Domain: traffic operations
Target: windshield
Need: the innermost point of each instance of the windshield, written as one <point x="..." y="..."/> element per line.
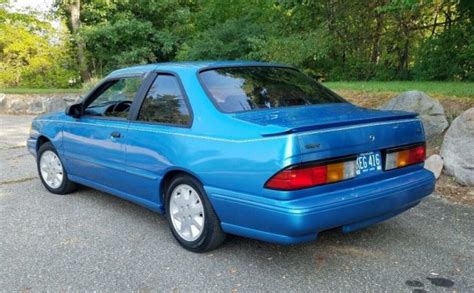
<point x="238" y="89"/>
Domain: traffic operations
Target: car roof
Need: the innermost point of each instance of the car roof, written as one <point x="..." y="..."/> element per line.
<point x="185" y="66"/>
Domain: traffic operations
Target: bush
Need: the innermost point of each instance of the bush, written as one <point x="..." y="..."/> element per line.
<point x="448" y="56"/>
<point x="232" y="40"/>
<point x="31" y="56"/>
<point x="122" y="43"/>
<point x="359" y="70"/>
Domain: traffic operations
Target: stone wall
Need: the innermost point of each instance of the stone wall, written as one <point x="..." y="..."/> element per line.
<point x="34" y="104"/>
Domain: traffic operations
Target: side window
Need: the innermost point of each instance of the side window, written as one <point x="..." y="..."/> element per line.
<point x="164" y="102"/>
<point x="116" y="99"/>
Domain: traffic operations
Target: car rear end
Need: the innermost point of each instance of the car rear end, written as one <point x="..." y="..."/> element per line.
<point x="352" y="167"/>
<point x="348" y="176"/>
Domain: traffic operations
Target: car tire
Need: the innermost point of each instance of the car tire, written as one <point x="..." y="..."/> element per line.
<point x="179" y="208"/>
<point x="49" y="163"/>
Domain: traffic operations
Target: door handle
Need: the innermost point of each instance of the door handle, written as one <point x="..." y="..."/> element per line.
<point x="115" y="134"/>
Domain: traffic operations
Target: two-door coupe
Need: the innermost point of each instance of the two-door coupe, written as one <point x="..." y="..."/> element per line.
<point x="253" y="149"/>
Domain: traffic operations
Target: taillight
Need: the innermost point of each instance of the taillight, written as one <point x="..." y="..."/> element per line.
<point x="401" y="157"/>
<point x="304" y="176"/>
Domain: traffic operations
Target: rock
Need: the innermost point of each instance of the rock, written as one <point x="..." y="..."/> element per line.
<point x="35" y="104"/>
<point x="54" y="105"/>
<point x="3" y="103"/>
<point x="36" y="107"/>
<point x="16" y="106"/>
<point x="430" y="110"/>
<point x="458" y="148"/>
<point x="72" y="99"/>
<point x="435" y="164"/>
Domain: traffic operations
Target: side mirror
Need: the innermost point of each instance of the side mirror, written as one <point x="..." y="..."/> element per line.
<point x="75" y="110"/>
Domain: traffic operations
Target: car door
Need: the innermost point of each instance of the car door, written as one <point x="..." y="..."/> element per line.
<point x="153" y="145"/>
<point x="94" y="144"/>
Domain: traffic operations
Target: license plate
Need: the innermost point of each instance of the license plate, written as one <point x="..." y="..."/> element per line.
<point x="370" y="162"/>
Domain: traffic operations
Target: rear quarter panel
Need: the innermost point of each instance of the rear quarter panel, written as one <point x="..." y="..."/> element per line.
<point x="239" y="165"/>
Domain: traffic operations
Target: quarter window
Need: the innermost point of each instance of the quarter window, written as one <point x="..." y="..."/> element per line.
<point x="165" y="103"/>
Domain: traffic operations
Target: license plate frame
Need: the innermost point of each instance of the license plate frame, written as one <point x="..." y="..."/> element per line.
<point x="368" y="163"/>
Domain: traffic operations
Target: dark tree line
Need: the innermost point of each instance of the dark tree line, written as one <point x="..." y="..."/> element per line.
<point x="330" y="39"/>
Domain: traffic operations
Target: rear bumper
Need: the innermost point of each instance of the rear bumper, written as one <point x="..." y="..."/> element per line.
<point x="300" y="220"/>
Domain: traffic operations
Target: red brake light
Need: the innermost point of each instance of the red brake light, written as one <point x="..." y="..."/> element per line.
<point x="307" y="176"/>
<point x="417" y="154"/>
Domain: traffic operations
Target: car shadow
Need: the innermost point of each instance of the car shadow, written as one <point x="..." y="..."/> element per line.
<point x="125" y="208"/>
<point x="366" y="243"/>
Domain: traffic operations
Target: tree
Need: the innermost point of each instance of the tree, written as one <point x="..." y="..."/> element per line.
<point x="449" y="53"/>
<point x="75" y="12"/>
<point x="32" y="53"/>
<point x="330" y="39"/>
<point x="122" y="32"/>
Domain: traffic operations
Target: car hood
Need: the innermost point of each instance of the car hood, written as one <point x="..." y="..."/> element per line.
<point x="296" y="119"/>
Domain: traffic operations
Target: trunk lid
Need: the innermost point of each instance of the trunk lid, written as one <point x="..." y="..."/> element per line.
<point x="298" y="119"/>
<point x="333" y="130"/>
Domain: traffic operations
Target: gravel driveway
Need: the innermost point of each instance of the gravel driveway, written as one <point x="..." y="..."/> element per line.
<point x="90" y="240"/>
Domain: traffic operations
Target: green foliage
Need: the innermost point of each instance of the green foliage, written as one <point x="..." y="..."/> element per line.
<point x="234" y="39"/>
<point x="132" y="41"/>
<point x="303" y="50"/>
<point x="30" y="56"/>
<point x="448" y="56"/>
<point x="330" y="40"/>
<point x="120" y="33"/>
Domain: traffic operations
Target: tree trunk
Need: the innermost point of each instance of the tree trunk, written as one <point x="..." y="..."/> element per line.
<point x="403" y="49"/>
<point x="75" y="11"/>
<point x="404" y="58"/>
<point x="374" y="58"/>
<point x="435" y="21"/>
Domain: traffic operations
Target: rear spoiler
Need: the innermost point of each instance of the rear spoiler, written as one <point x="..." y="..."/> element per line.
<point x="401" y="117"/>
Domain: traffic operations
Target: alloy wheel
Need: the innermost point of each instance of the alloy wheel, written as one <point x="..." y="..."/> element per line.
<point x="51" y="169"/>
<point x="187" y="212"/>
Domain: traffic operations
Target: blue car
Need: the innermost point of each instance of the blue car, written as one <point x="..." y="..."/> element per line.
<point x="247" y="148"/>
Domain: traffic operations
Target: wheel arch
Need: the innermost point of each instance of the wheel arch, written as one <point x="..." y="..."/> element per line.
<point x="42" y="139"/>
<point x="168" y="177"/>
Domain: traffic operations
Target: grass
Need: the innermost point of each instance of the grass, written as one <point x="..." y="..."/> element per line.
<point x="435" y="88"/>
<point x="39" y="91"/>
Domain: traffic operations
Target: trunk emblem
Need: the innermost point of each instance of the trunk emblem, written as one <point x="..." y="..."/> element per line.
<point x="312" y="146"/>
<point x="371" y="138"/>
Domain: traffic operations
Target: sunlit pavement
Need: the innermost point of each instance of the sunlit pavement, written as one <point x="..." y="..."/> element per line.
<point x="90" y="240"/>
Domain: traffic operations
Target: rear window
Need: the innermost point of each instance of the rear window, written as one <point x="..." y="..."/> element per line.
<point x="238" y="89"/>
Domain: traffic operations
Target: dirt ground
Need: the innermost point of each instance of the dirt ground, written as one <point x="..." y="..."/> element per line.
<point x="453" y="106"/>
